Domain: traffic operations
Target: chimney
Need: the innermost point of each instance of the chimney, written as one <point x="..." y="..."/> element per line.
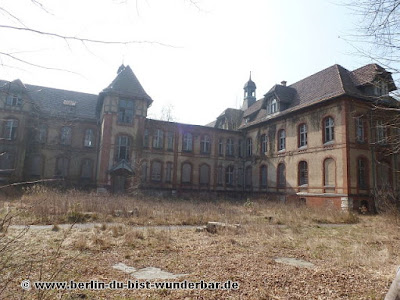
<point x="283" y="83"/>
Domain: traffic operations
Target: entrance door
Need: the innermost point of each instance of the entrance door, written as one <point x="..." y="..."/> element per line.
<point x="119" y="184"/>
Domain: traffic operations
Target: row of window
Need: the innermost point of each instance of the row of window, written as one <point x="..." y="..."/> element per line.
<point x="10" y="130"/>
<point x="229" y="176"/>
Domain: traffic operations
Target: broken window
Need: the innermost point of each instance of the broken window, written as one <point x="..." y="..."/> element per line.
<point x="89" y="138"/>
<point x="125" y="111"/>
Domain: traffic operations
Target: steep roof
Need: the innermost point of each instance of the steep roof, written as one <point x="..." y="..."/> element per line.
<point x="366" y="74"/>
<point x="126" y="84"/>
<point x="56" y="102"/>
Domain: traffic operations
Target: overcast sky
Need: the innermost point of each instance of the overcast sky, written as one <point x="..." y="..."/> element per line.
<point x="202" y="55"/>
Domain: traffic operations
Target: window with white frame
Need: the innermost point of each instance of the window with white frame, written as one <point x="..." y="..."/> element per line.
<point x="89" y="138"/>
<point x="170" y="141"/>
<point x="10" y="129"/>
<point x="220" y="147"/>
<point x="281" y="140"/>
<point x="360" y="130"/>
<point x="273" y="106"/>
<point x="229" y="147"/>
<point x="205" y="144"/>
<point x="381" y="132"/>
<point x="264" y="143"/>
<point x="302" y="135"/>
<point x="187" y="142"/>
<point x="158" y="139"/>
<point x="329" y="130"/>
<point x="249" y="147"/>
<point x="123" y="148"/>
<point x="14" y="100"/>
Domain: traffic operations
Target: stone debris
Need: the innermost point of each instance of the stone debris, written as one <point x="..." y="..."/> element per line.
<point x="147" y="273"/>
<point x="294" y="262"/>
<point x="213" y="227"/>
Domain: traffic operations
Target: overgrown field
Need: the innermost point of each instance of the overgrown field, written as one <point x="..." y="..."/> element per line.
<point x="354" y="260"/>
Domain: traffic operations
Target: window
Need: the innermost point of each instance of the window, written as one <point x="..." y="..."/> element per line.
<point x="362" y="173"/>
<point x="303" y="173"/>
<point x="14" y="100"/>
<point x="360" y="131"/>
<point x="156" y="167"/>
<point x="170" y="141"/>
<point x="263" y="176"/>
<point x="36" y="165"/>
<point x="302" y="135"/>
<point x="383" y="172"/>
<point x="229" y="175"/>
<point x="186" y="173"/>
<point x="87" y="169"/>
<point x="146" y="138"/>
<point x="158" y="139"/>
<point x="249" y="147"/>
<point x="66" y="133"/>
<point x="205" y="144"/>
<point x="381" y="132"/>
<point x="273" y="106"/>
<point x="249" y="177"/>
<point x="7" y="161"/>
<point x="229" y="147"/>
<point x="281" y="175"/>
<point x="220" y="175"/>
<point x="281" y="140"/>
<point x="144" y="171"/>
<point x="89" y="138"/>
<point x="10" y="129"/>
<point x="41" y="134"/>
<point x="187" y="142"/>
<point x="240" y="148"/>
<point x="123" y="148"/>
<point x="168" y="172"/>
<point x="220" y="147"/>
<point x="240" y="177"/>
<point x="125" y="111"/>
<point x="264" y="143"/>
<point x="62" y="165"/>
<point x="381" y="88"/>
<point x="329" y="130"/>
<point x="204" y="174"/>
<point x="329" y="172"/>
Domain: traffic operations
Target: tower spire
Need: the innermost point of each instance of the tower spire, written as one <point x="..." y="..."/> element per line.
<point x="249" y="94"/>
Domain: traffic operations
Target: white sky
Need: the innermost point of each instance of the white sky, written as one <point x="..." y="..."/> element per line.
<point x="213" y="47"/>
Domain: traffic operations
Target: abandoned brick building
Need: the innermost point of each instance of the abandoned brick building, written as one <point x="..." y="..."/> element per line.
<point x="316" y="140"/>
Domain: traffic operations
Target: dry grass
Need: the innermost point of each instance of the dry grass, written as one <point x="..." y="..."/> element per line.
<point x="353" y="261"/>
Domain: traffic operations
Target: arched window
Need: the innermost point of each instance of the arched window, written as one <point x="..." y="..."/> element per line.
<point x="187" y="142"/>
<point x="66" y="135"/>
<point x="281" y="140"/>
<point x="205" y="144"/>
<point x="229" y="147"/>
<point x="186" y="173"/>
<point x="156" y="167"/>
<point x="329" y="129"/>
<point x="249" y="147"/>
<point x="362" y="174"/>
<point x="87" y="169"/>
<point x="302" y="135"/>
<point x="204" y="174"/>
<point x="158" y="139"/>
<point x="62" y="166"/>
<point x="229" y="175"/>
<point x="329" y="173"/>
<point x="264" y="143"/>
<point x="281" y="180"/>
<point x="10" y="129"/>
<point x="123" y="147"/>
<point x="273" y="106"/>
<point x="249" y="176"/>
<point x="263" y="176"/>
<point x="303" y="173"/>
<point x="89" y="138"/>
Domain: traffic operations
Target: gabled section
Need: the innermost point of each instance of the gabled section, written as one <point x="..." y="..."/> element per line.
<point x="229" y="119"/>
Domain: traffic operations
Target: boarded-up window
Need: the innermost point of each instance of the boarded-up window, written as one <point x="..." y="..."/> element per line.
<point x="87" y="169"/>
<point x="156" y="171"/>
<point x="168" y="172"/>
<point x="186" y="173"/>
<point x="204" y="174"/>
<point x="36" y="166"/>
<point x="281" y="175"/>
<point x="329" y="172"/>
<point x="62" y="166"/>
<point x="249" y="176"/>
<point x="263" y="176"/>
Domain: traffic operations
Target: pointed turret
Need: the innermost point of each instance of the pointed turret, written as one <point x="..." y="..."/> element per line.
<point x="249" y="94"/>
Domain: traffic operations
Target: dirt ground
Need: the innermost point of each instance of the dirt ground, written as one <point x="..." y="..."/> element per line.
<point x="352" y="261"/>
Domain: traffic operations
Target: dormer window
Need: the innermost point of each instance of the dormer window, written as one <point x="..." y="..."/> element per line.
<point x="381" y="88"/>
<point x="272" y="106"/>
<point x="14" y="100"/>
<point x="69" y="106"/>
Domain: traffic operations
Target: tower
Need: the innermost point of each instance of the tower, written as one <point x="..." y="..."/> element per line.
<point x="249" y="94"/>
